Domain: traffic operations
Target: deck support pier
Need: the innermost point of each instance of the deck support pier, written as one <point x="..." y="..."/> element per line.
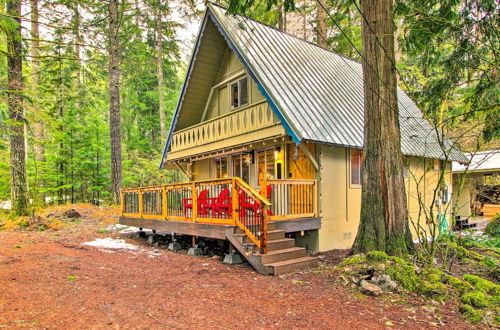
<point x="232" y="258"/>
<point x="195" y="250"/>
<point x="174" y="245"/>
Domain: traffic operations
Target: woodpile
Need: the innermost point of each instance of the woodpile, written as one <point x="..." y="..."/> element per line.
<point x="488" y="200"/>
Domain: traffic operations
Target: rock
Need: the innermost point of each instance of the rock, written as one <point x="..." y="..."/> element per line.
<point x="370" y="289"/>
<point x="71" y="214"/>
<point x="354" y="279"/>
<point x="385" y="283"/>
<point x="417" y="269"/>
<point x="381" y="267"/>
<point x="429" y="309"/>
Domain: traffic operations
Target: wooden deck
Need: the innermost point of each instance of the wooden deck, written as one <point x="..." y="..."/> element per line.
<point x="229" y="209"/>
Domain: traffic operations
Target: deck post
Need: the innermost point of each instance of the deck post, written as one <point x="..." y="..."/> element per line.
<point x="194" y="196"/>
<point x="234" y="201"/>
<point x="263" y="229"/>
<point x="122" y="202"/>
<point x="315" y="198"/>
<point x="164" y="201"/>
<point x="141" y="206"/>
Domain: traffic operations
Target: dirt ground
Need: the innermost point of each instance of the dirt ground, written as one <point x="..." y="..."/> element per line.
<point x="50" y="279"/>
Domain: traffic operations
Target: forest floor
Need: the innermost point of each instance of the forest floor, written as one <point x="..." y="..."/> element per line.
<point x="50" y="279"/>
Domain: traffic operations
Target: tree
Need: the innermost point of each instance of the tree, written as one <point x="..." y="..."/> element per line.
<point x="161" y="80"/>
<point x="321" y="34"/>
<point x="35" y="66"/>
<point x="384" y="216"/>
<point x="19" y="188"/>
<point x="114" y="100"/>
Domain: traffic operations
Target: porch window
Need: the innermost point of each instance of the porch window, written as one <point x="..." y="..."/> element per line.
<point x="356" y="166"/>
<point x="241" y="166"/>
<point x="239" y="93"/>
<point x="265" y="166"/>
<point x="221" y="168"/>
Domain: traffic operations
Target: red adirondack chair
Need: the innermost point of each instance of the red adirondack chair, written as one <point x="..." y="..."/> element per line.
<point x="223" y="203"/>
<point x="204" y="202"/>
<point x="247" y="203"/>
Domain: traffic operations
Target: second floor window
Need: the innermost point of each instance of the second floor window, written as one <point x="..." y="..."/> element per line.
<point x="239" y="93"/>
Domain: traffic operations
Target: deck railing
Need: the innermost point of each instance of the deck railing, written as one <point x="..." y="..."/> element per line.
<point x="291" y="199"/>
<point x="224" y="201"/>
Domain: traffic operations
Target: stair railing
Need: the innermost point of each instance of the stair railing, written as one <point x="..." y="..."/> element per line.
<point x="251" y="213"/>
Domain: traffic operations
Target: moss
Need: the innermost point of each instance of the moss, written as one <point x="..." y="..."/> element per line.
<point x="433" y="274"/>
<point x="476" y="256"/>
<point x="376" y="256"/>
<point x="398" y="260"/>
<point x="458" y="284"/>
<point x="355" y="259"/>
<point x="458" y="250"/>
<point x="432" y="289"/>
<point x="476" y="299"/>
<point x="490" y="262"/>
<point x="404" y="274"/>
<point x="471" y="314"/>
<point x="483" y="285"/>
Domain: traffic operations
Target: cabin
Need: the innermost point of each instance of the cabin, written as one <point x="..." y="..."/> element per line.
<point x="269" y="132"/>
<point x="469" y="179"/>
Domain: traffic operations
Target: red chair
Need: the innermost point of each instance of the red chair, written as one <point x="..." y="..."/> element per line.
<point x="223" y="203"/>
<point x="204" y="202"/>
<point x="247" y="203"/>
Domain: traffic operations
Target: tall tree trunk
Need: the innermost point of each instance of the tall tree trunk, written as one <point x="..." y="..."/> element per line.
<point x="384" y="216"/>
<point x="19" y="187"/>
<point x="281" y="17"/>
<point x="321" y="33"/>
<point x="159" y="73"/>
<point x="114" y="101"/>
<point x="35" y="64"/>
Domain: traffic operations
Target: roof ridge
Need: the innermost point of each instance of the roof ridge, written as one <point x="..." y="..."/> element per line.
<point x="283" y="32"/>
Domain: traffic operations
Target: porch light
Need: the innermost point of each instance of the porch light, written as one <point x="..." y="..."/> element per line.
<point x="276" y="153"/>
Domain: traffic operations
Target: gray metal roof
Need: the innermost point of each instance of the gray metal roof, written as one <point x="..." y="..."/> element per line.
<point x="317" y="93"/>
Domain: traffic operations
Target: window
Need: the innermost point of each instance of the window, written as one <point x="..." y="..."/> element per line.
<point x="239" y="93"/>
<point x="241" y="166"/>
<point x="265" y="166"/>
<point x="356" y="166"/>
<point x="221" y="168"/>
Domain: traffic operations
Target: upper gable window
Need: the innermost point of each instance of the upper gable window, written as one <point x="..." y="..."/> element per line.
<point x="239" y="93"/>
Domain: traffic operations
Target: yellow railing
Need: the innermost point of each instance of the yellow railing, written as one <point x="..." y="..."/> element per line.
<point x="222" y="201"/>
<point x="225" y="202"/>
<point x="292" y="199"/>
<point x="234" y="123"/>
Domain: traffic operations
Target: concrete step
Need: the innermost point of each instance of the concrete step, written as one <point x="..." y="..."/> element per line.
<point x="291" y="265"/>
<point x="282" y="255"/>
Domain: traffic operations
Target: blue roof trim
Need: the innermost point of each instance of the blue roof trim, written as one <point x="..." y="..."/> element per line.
<point x="261" y="88"/>
<point x="183" y="91"/>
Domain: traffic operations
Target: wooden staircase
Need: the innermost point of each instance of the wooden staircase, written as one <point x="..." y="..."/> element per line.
<point x="282" y="255"/>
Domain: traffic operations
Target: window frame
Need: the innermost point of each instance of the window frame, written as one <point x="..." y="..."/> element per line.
<point x="238" y="83"/>
<point x="360" y="167"/>
<point x="228" y="167"/>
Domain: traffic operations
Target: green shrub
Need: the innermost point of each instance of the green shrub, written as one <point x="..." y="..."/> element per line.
<point x="476" y="299"/>
<point x="376" y="256"/>
<point x="471" y="314"/>
<point x="493" y="227"/>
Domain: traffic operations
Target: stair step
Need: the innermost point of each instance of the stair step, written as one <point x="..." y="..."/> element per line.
<point x="283" y="254"/>
<point x="275" y="234"/>
<point x="278" y="244"/>
<point x="287" y="266"/>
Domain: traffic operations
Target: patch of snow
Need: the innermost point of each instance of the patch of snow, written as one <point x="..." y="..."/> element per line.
<point x="116" y="227"/>
<point x="5" y="205"/>
<point x="112" y="244"/>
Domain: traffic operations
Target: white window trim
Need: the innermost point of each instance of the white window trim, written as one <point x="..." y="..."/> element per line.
<point x="239" y="92"/>
<point x="354" y="185"/>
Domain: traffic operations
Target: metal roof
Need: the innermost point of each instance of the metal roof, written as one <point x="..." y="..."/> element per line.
<point x="318" y="94"/>
<point x="484" y="161"/>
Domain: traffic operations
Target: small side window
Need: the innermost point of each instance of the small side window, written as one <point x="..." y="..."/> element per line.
<point x="356" y="166"/>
